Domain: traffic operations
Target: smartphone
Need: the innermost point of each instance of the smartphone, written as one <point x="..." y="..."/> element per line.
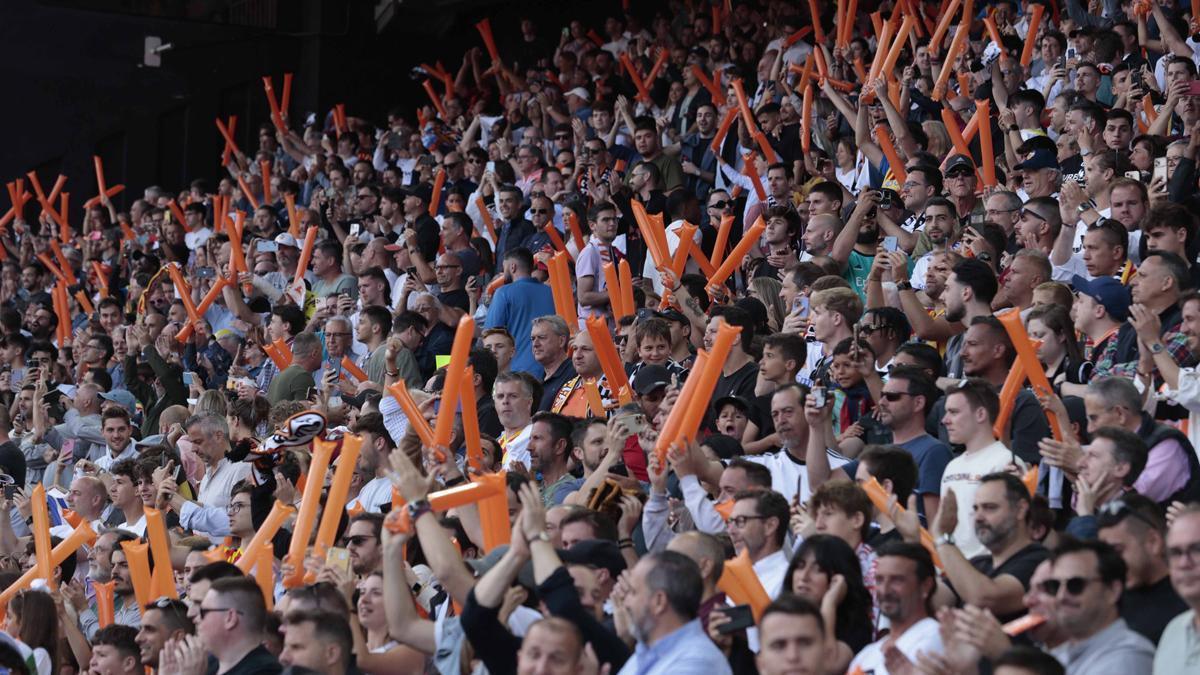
<point x="740" y="618"/>
<point x="635" y="423"/>
<point x="267" y="247"/>
<point x="1160" y="169"/>
<point x="1193" y="88"/>
<point x="188" y="379"/>
<point x="1072" y="53"/>
<point x="206" y="273"/>
<point x="310" y="394"/>
<point x="890" y="243"/>
<point x="801" y="304"/>
<point x="619" y="469"/>
<point x="338" y="558"/>
<point x="355" y="228"/>
<point x="1135" y="175"/>
<point x="10" y="491"/>
<point x="490" y="166"/>
<point x="818" y="395"/>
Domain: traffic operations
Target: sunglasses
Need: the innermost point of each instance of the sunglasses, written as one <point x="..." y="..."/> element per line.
<point x="1075" y="585"/>
<point x="540" y="211"/>
<point x="959" y="174"/>
<point x="358" y="539"/>
<point x="1033" y="214"/>
<point x="895" y="395"/>
<point x="719" y="205"/>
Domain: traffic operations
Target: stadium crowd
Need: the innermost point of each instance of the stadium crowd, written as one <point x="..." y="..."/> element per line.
<point x="706" y="340"/>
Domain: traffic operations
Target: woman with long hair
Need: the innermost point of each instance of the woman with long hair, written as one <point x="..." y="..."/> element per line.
<point x="767" y="290"/>
<point x="383" y="653"/>
<point x="826" y="571"/>
<point x="1060" y="352"/>
<point x="33" y="619"/>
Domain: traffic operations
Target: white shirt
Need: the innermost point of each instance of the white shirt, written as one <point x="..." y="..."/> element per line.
<point x="516" y="447"/>
<point x="218" y="482"/>
<point x="922" y="636"/>
<point x="373" y="495"/>
<point x="789" y="475"/>
<point x="962" y="475"/>
<point x="105" y="462"/>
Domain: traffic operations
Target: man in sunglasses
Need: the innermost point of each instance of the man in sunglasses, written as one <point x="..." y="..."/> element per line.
<point x="1038" y="224"/>
<point x="1087" y="579"/>
<point x="1135" y="527"/>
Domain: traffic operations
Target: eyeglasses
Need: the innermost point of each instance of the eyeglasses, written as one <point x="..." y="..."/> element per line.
<point x="205" y="611"/>
<point x="359" y="539"/>
<point x="451" y="165"/>
<point x="719" y="205"/>
<point x="895" y="395"/>
<point x="337" y="335"/>
<point x="1075" y="585"/>
<point x="740" y="521"/>
<point x="1177" y="554"/>
<point x="446" y="267"/>
<point x="235" y="507"/>
<point x="540" y="212"/>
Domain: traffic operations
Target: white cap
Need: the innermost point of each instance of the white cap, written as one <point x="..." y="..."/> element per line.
<point x="580" y="92"/>
<point x="285" y="239"/>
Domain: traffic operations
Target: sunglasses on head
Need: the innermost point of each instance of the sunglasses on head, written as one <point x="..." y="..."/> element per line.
<point x="1075" y="585"/>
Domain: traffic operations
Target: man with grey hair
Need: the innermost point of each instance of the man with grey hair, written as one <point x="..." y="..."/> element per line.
<point x="1170" y="472"/>
<point x="514" y="394"/>
<point x="660" y="598"/>
<point x="209" y="435"/>
<point x="1004" y="209"/>
<point x="549" y="338"/>
<point x="293" y="383"/>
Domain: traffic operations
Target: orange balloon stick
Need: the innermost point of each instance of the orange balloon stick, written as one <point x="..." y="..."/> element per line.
<point x="82" y="534"/>
<point x="613" y="287"/>
<point x="459" y="352"/>
<point x="988" y="151"/>
<point x="1027" y="355"/>
<point x="265" y="534"/>
<point x="740" y="582"/>
<point x="731" y="263"/>
<point x="41" y="534"/>
<point x="310" y="240"/>
<point x="1031" y="39"/>
<point x="416" y="420"/>
<point x="470" y="419"/>
<point x="335" y="501"/>
<point x="889" y="150"/>
<point x="264" y="573"/>
<point x="610" y="360"/>
<point x="162" y="578"/>
<point x="105" y="613"/>
<point x="209" y="298"/>
<point x="625" y="275"/>
<point x="723" y="130"/>
<point x="439" y="182"/>
<point x="138" y="556"/>
<point x="310" y="501"/>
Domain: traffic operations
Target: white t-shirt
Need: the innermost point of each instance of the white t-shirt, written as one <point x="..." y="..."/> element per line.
<point x="516" y="448"/>
<point x="789" y="475"/>
<point x="962" y="475"/>
<point x="373" y="495"/>
<point x="922" y="636"/>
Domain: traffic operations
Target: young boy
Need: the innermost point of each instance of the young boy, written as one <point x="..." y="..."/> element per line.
<point x="652" y="338"/>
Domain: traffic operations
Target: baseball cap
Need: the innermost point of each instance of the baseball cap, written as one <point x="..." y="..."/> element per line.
<point x="122" y="398"/>
<point x="959" y="161"/>
<point x="580" y="92"/>
<point x="421" y="190"/>
<point x="600" y="553"/>
<point x="741" y="404"/>
<point x="1040" y="159"/>
<point x="1108" y="292"/>
<point x="286" y="239"/>
<point x="649" y="378"/>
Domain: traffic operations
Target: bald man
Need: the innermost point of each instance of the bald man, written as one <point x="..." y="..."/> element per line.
<point x="85" y="428"/>
<point x="709" y="553"/>
<point x="819" y="235"/>
<point x="87" y="497"/>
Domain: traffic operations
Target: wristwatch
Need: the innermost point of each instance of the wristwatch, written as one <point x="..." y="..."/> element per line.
<point x="1157" y="348"/>
<point x="417" y="509"/>
<point x="947" y="538"/>
<point x="905" y="285"/>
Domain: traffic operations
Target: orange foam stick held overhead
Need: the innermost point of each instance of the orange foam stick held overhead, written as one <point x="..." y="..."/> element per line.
<point x="276" y="114"/>
<point x="493" y="512"/>
<point x="884" y="140"/>
<point x="138" y="556"/>
<point x="723" y="130"/>
<point x="231" y="145"/>
<point x="486" y="215"/>
<point x="685" y="234"/>
<point x="247" y="192"/>
<point x="731" y="263"/>
<point x="41" y="534"/>
<point x="987" y="150"/>
<point x="82" y="534"/>
<point x="265" y="534"/>
<point x="712" y="85"/>
<point x="638" y="83"/>
<point x="412" y="411"/>
<point x="575" y="230"/>
<point x="740" y="582"/>
<point x="744" y="105"/>
<point x="1013" y="383"/>
<point x="64" y="264"/>
<point x="751" y="171"/>
<point x="185" y="292"/>
<point x="571" y="314"/>
<point x="1027" y="355"/>
<point x="178" y="215"/>
<point x="956" y="45"/>
<point x="625" y="276"/>
<point x="435" y="99"/>
<point x="612" y="285"/>
<point x="893" y="55"/>
<point x="956" y="139"/>
<point x="464" y="335"/>
<point x="293" y="217"/>
<point x="470" y="419"/>
<point x="84" y="303"/>
<point x="439" y="182"/>
<point x="555" y="238"/>
<point x="847" y="31"/>
<point x="100" y="183"/>
<point x="101" y="278"/>
<point x="105" y="611"/>
<point x="818" y="30"/>
<point x="339" y="488"/>
<point x="722" y="242"/>
<point x="879" y="498"/>
<point x="310" y="501"/>
<point x="697" y="404"/>
<point x="485" y="31"/>
<point x="264" y="170"/>
<point x="264" y="574"/>
<point x="310" y="240"/>
<point x="656" y="68"/>
<point x="806" y="118"/>
<point x="610" y="359"/>
<point x="209" y="298"/>
<point x="1035" y="22"/>
<point x="881" y="51"/>
<point x="162" y="578"/>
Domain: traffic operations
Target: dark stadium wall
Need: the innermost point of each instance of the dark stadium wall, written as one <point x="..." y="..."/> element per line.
<point x="76" y="84"/>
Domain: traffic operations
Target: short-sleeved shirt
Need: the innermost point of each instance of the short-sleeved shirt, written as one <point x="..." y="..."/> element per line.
<point x="343" y="284"/>
<point x="1020" y="566"/>
<point x="1148" y="609"/>
<point x="931" y="456"/>
<point x="858" y="266"/>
